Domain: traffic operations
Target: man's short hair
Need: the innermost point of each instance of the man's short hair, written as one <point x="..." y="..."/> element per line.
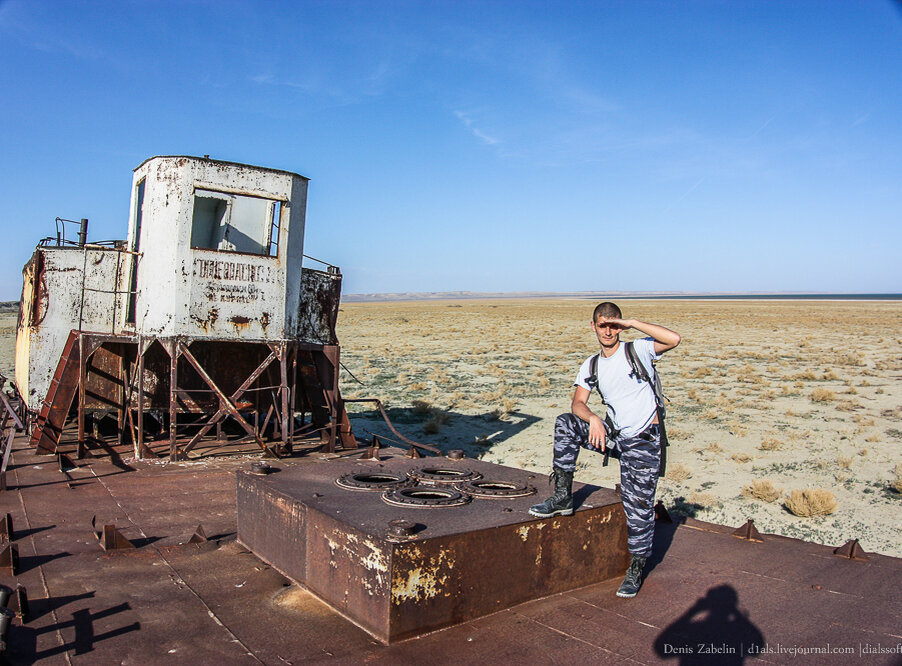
<point x="606" y="309"/>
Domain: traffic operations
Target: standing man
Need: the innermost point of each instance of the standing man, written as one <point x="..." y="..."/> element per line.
<point x="633" y="414"/>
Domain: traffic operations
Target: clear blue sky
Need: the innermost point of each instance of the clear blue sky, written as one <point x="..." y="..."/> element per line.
<point x="485" y="146"/>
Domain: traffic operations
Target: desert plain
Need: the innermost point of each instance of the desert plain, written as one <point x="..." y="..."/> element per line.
<point x="766" y="397"/>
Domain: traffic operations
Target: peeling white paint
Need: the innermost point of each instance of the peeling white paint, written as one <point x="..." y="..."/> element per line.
<point x="425" y="582"/>
<point x="523" y="531"/>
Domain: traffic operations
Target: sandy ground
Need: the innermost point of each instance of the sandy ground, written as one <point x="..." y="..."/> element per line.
<point x="804" y="394"/>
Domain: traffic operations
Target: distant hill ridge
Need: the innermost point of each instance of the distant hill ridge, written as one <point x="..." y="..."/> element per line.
<point x="602" y="295"/>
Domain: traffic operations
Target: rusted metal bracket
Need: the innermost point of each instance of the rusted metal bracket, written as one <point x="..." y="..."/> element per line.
<point x="414" y="453"/>
<point x="851" y="550"/>
<point x="65" y="465"/>
<point x="6" y="528"/>
<point x="9" y="410"/>
<point x="9" y="558"/>
<point x="748" y="532"/>
<point x="372" y="451"/>
<point x="661" y="514"/>
<point x="199" y="536"/>
<point x="110" y="538"/>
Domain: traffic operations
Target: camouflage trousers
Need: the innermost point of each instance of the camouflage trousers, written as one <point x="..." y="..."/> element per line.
<point x="640" y="459"/>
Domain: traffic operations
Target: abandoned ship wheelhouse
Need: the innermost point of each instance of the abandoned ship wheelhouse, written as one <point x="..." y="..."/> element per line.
<point x="202" y="329"/>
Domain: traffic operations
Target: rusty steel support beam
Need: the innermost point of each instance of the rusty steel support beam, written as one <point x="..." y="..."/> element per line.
<point x="172" y="348"/>
<point x="121" y="397"/>
<point x="139" y="445"/>
<point x="293" y="382"/>
<point x="82" y="383"/>
<point x="224" y="401"/>
<point x="222" y="412"/>
<point x="283" y="392"/>
<point x="331" y="354"/>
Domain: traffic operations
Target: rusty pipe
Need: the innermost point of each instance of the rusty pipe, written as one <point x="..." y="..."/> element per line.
<point x="426" y="447"/>
<point x="83" y="231"/>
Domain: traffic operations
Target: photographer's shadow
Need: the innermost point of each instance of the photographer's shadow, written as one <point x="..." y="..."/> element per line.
<point x="713" y="630"/>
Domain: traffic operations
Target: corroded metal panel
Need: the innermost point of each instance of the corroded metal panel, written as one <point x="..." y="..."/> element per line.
<point x="64" y="288"/>
<point x="275" y="524"/>
<point x="456" y="564"/>
<point x="318" y="313"/>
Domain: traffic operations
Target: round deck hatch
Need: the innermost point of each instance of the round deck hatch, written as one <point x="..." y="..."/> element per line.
<point x="420" y="497"/>
<point x="380" y="481"/>
<point x="439" y="476"/>
<point x="492" y="489"/>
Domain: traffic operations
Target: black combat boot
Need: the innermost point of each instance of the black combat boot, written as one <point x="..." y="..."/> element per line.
<point x="630" y="585"/>
<point x="561" y="502"/>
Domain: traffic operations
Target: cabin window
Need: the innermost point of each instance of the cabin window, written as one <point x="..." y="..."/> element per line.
<point x="235" y="223"/>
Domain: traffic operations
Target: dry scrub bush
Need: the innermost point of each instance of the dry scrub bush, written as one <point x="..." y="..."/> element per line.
<point x="770" y="444"/>
<point x="678" y="472"/>
<point x="741" y="457"/>
<point x="704" y="500"/>
<point x="436" y="421"/>
<point x="822" y="395"/>
<point x="844" y="462"/>
<point x="852" y="359"/>
<point x="896" y="483"/>
<point x="762" y="489"/>
<point x="723" y="403"/>
<point x="737" y="429"/>
<point x="810" y="502"/>
<point x="421" y="407"/>
<point x="712" y="448"/>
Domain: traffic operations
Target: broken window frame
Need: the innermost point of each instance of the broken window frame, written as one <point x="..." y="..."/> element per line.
<point x="272" y="223"/>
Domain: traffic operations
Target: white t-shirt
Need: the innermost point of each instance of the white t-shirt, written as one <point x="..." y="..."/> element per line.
<point x="631" y="402"/>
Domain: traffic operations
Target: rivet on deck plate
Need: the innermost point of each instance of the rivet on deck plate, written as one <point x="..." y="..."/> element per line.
<point x="401" y="527"/>
<point x="455" y="454"/>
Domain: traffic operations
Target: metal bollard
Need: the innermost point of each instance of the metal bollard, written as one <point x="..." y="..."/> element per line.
<point x="5" y="594"/>
<point x="6" y="617"/>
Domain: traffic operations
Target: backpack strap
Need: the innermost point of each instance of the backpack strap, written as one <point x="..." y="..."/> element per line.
<point x="639" y="371"/>
<point x="610" y="432"/>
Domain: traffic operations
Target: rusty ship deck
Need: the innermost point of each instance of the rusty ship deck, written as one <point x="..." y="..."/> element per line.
<point x="167" y="601"/>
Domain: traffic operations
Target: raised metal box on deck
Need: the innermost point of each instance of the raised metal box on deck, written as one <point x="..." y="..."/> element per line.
<point x="459" y="564"/>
